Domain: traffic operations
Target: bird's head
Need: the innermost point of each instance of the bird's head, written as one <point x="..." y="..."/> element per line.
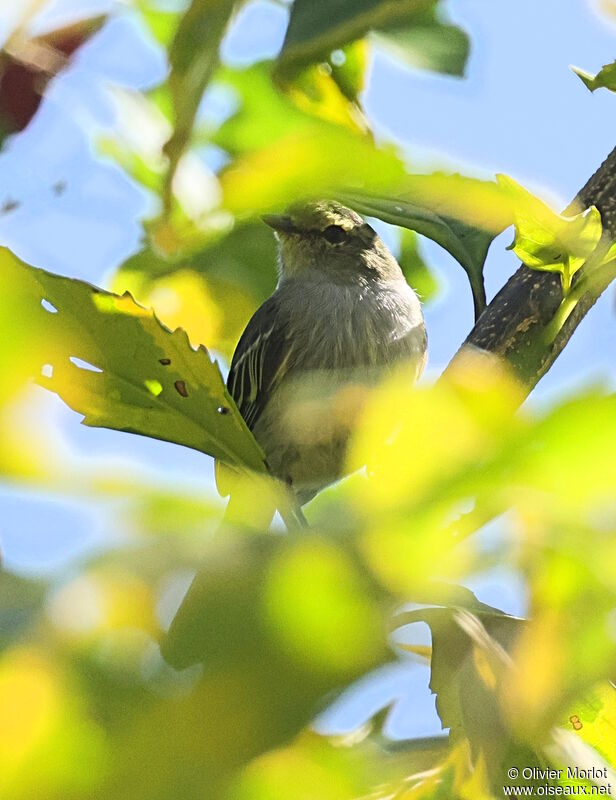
<point x="325" y="237"/>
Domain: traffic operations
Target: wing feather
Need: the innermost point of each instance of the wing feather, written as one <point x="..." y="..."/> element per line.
<point x="259" y="362"/>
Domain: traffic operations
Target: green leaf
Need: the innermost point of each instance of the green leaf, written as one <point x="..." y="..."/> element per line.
<point x="348" y="66"/>
<point x="112" y="361"/>
<point x="278" y="623"/>
<point x="467" y="244"/>
<point x="548" y="241"/>
<point x="21" y="602"/>
<point x="428" y="44"/>
<point x="417" y="272"/>
<point x="162" y="23"/>
<point x="593" y="720"/>
<point x="194" y="55"/>
<point x="604" y="79"/>
<point x="470" y="664"/>
<point x="317" y="27"/>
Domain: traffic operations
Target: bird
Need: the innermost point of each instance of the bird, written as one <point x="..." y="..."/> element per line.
<point x="341" y="317"/>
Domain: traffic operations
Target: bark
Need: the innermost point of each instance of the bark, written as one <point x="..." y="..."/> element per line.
<point x="514" y="325"/>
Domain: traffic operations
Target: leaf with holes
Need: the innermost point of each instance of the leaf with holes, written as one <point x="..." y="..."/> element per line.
<point x="111" y="360"/>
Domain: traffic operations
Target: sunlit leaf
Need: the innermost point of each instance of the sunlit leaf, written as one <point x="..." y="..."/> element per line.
<point x="112" y="361"/>
<point x="48" y="745"/>
<point x="316" y="91"/>
<point x="605" y="78"/>
<point x="593" y="719"/>
<point x="162" y="23"/>
<point x="20" y="602"/>
<point x="333" y="769"/>
<point x="547" y="241"/>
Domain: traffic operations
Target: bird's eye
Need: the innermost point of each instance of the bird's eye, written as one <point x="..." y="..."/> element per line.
<point x="334" y="234"/>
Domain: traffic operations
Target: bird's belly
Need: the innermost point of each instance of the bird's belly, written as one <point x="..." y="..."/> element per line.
<point x="311" y="416"/>
<point x="349" y="345"/>
<point x="305" y="431"/>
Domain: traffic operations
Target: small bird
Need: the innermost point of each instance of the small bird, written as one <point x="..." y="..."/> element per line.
<point x="341" y="316"/>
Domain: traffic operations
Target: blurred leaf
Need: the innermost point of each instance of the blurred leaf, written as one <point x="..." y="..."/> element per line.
<point x="469" y="656"/>
<point x="429" y="44"/>
<point x="249" y="129"/>
<point x="111" y="360"/>
<point x="278" y="645"/>
<point x="316" y="162"/>
<point x="246" y="597"/>
<point x="231" y="273"/>
<point x="593" y="719"/>
<point x="317" y="28"/>
<point x="315" y="91"/>
<point x="331" y="769"/>
<point x="470" y="662"/>
<point x="605" y="78"/>
<point x="348" y="67"/>
<point x="608" y="7"/>
<point x="548" y="241"/>
<point x="161" y="22"/>
<point x="21" y="601"/>
<point x="416" y="271"/>
<point x="193" y="57"/>
<point x="48" y="746"/>
<point x="27" y="66"/>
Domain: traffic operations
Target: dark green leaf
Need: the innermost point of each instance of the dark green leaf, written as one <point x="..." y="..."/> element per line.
<point x="317" y="27"/>
<point x="193" y="56"/>
<point x="429" y="44"/>
<point x="417" y="272"/>
<point x="467" y="244"/>
<point x="348" y="66"/>
<point x="21" y="602"/>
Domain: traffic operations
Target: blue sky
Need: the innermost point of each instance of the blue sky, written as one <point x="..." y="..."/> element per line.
<point x="520" y="110"/>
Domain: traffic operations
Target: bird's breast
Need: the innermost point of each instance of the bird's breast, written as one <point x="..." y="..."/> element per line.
<point x="355" y="327"/>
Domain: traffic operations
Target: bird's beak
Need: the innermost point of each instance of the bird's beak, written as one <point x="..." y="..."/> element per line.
<point x="280" y="223"/>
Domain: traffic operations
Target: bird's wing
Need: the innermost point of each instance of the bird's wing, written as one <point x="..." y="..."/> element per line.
<point x="260" y="360"/>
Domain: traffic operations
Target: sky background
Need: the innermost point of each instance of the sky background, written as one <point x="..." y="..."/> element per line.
<point x="520" y="110"/>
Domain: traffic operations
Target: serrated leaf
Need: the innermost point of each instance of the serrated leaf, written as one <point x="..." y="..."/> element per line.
<point x="604" y="79"/>
<point x="317" y="27"/>
<point x="112" y="361"/>
<point x="548" y="241"/>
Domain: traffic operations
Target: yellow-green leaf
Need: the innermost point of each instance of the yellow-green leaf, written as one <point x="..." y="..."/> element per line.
<point x="111" y="360"/>
<point x="604" y="79"/>
<point x="547" y="241"/>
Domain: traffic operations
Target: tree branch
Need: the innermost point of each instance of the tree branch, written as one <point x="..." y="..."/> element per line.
<point x="515" y="325"/>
